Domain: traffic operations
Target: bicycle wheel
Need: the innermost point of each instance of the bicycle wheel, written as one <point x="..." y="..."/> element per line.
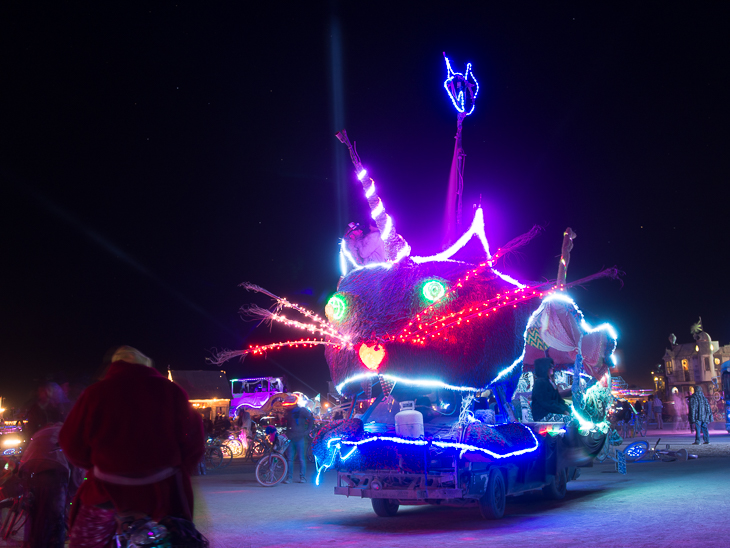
<point x="271" y="470"/>
<point x="227" y="455"/>
<point x="14" y="520"/>
<point x="213" y="458"/>
<point x="634" y="451"/>
<point x="641" y="423"/>
<point x="256" y="450"/>
<point x="235" y="446"/>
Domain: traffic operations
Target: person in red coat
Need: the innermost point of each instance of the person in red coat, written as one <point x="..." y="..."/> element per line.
<point x="139" y="439"/>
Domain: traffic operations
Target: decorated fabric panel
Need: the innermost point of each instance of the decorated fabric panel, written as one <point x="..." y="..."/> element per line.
<point x="501" y="439"/>
<point x="385" y="455"/>
<point x="559" y="328"/>
<point x="555" y="331"/>
<point x="594" y="347"/>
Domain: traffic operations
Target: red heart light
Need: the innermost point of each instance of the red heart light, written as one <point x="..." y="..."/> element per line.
<point x="371" y="355"/>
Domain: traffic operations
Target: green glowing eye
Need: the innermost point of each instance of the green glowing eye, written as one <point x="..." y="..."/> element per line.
<point x="336" y="308"/>
<point x="433" y="291"/>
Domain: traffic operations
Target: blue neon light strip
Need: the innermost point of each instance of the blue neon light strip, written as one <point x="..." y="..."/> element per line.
<point x="463" y="447"/>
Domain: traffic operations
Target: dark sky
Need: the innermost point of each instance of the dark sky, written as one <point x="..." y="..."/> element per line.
<point x="154" y="157"/>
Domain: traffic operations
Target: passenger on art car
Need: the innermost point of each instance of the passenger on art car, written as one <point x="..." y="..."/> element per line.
<point x="546" y="399"/>
<point x="139" y="438"/>
<point x="370" y="247"/>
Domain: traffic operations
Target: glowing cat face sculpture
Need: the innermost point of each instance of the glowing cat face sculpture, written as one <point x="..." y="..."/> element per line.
<point x="429" y="320"/>
<point x="435" y="321"/>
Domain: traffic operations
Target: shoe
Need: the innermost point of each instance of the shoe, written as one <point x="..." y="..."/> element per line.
<point x="705" y="443"/>
<point x="302" y="480"/>
<point x="287" y="480"/>
<point x="695" y="443"/>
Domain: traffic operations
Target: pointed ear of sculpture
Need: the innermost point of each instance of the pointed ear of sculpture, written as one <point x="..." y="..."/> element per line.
<point x="395" y="245"/>
<point x="475" y="230"/>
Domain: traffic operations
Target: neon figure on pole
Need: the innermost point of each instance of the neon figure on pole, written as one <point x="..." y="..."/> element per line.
<point x="462" y="90"/>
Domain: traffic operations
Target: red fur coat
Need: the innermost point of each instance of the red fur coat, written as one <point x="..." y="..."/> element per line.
<point x="135" y="423"/>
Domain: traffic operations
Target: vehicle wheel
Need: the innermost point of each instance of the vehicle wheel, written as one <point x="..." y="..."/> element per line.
<point x="634" y="451"/>
<point x="213" y="458"/>
<point x="557" y="488"/>
<point x="271" y="470"/>
<point x="493" y="502"/>
<point x="385" y="508"/>
<point x="227" y="455"/>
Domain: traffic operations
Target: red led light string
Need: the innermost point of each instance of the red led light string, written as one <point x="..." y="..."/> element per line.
<point x="433" y="328"/>
<point x="308" y="343"/>
<point x="458" y="284"/>
<point x="328" y="331"/>
<point x="474" y="312"/>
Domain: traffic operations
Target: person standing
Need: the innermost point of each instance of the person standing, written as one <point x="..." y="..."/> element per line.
<point x="299" y="423"/>
<point x="658" y="410"/>
<point x="649" y="410"/>
<point x="243" y="422"/>
<point x="678" y="402"/>
<point x="700" y="415"/>
<point x="139" y="438"/>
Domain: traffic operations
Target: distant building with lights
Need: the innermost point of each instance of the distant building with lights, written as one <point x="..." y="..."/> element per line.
<point x="208" y="391"/>
<point x="696" y="363"/>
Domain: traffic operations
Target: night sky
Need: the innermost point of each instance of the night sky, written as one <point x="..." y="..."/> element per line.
<point x="154" y="157"/>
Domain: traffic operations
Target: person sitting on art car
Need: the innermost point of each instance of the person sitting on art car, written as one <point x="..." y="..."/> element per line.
<point x="546" y="399"/>
<point x="371" y="247"/>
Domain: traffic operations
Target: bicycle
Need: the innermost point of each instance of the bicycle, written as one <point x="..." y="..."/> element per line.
<point x="640" y="425"/>
<point x="272" y="467"/>
<point x="14" y="499"/>
<point x="234" y="444"/>
<point x="256" y="446"/>
<point x="217" y="454"/>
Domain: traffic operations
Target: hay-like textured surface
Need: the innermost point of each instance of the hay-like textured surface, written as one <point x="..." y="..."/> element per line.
<point x="382" y="301"/>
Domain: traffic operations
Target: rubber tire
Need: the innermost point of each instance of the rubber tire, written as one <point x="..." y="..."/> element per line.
<point x="213" y="458"/>
<point x="227" y="455"/>
<point x="385" y="508"/>
<point x="269" y="475"/>
<point x="494" y="500"/>
<point x="557" y="488"/>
